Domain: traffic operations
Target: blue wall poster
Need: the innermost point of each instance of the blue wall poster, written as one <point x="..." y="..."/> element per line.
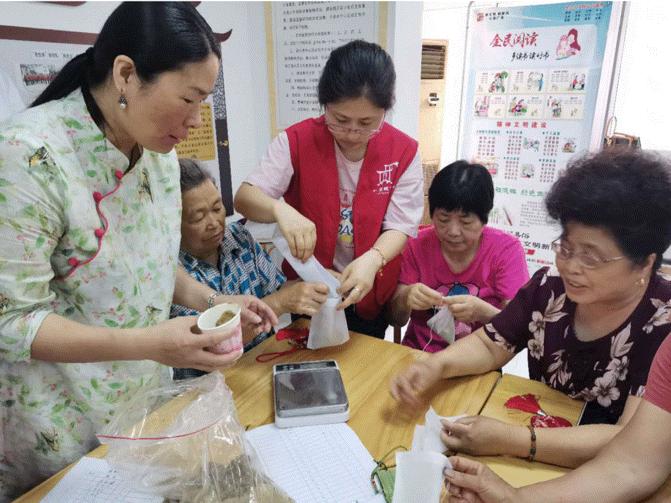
<point x="531" y="87"/>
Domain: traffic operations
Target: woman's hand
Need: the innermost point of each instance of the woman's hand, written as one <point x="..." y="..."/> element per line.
<point x="255" y="315"/>
<point x="300" y="232"/>
<point x="420" y="297"/>
<point x="358" y="277"/>
<point x="469" y="308"/>
<point x="409" y="384"/>
<point x="177" y="343"/>
<point x="303" y="298"/>
<point x="473" y="482"/>
<point x="478" y="435"/>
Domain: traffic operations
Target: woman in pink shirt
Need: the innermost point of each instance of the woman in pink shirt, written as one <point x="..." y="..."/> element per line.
<point x="458" y="261"/>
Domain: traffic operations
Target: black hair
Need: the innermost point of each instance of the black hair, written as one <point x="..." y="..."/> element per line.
<point x="191" y="175"/>
<point x="463" y="186"/>
<point x="623" y="191"/>
<point x="358" y="69"/>
<point x="157" y="36"/>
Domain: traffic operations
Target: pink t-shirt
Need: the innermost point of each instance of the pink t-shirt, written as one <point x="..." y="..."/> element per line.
<point x="658" y="389"/>
<point x="495" y="274"/>
<point x="404" y="212"/>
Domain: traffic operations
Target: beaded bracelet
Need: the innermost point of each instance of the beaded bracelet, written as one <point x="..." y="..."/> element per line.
<point x="532" y="449"/>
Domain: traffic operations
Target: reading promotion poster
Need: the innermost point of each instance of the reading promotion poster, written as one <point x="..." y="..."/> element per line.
<point x="531" y="90"/>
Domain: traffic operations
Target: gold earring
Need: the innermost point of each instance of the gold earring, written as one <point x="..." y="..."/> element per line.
<point x="641" y="281"/>
<point x="123" y="102"/>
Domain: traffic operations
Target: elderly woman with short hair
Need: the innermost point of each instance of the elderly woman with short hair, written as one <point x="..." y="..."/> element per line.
<point x="227" y="259"/>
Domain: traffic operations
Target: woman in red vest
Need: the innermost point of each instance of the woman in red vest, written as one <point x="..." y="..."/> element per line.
<point x="352" y="184"/>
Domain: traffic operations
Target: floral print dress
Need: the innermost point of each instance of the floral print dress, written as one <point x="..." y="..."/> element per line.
<point x="85" y="238"/>
<point x="602" y="372"/>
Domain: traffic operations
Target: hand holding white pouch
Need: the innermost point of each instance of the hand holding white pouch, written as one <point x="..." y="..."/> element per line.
<point x="329" y="326"/>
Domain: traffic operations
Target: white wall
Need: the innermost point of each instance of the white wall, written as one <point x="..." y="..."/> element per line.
<point x="447" y="21"/>
<point x="404" y="43"/>
<point x="642" y="106"/>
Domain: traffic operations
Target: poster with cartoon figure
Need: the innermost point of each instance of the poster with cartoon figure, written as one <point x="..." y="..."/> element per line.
<point x="527" y="81"/>
<point x="492" y="82"/>
<point x="531" y="89"/>
<point x="565" y="107"/>
<point x="568" y="45"/>
<point x="481" y="108"/>
<point x="497" y="107"/>
<point x="568" y="80"/>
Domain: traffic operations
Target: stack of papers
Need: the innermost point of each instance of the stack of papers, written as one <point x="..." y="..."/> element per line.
<point x="316" y="464"/>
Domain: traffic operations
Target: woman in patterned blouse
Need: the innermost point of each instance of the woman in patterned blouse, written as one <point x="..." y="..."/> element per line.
<point x="89" y="237"/>
<point x="593" y="329"/>
<point x="225" y="257"/>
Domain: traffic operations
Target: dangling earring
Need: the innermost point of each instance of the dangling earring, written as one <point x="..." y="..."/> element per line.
<point x="123" y="102"/>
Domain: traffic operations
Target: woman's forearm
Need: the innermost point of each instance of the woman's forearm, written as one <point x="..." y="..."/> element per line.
<point x="390" y="243"/>
<point x="398" y="312"/>
<point x="254" y="204"/>
<point x="630" y="467"/>
<point x="570" y="447"/>
<point x="65" y="341"/>
<point x="189" y="292"/>
<point x="474" y="354"/>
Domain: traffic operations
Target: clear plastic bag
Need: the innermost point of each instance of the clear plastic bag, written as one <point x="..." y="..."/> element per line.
<point x="183" y="441"/>
<point x="442" y="323"/>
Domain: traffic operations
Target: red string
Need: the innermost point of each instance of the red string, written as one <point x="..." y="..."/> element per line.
<point x="297" y="339"/>
<point x="74" y="262"/>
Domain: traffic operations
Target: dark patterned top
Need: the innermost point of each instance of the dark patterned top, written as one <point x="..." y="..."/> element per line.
<point x="603" y="372"/>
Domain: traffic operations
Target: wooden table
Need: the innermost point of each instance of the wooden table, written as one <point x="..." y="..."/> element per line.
<point x="520" y="472"/>
<point x="367" y="365"/>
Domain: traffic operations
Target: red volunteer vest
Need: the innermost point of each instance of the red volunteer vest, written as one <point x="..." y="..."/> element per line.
<point x="314" y="192"/>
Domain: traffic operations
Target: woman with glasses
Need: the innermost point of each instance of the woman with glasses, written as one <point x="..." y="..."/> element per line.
<point x="458" y="262"/>
<point x="352" y="184"/>
<point x="592" y="329"/>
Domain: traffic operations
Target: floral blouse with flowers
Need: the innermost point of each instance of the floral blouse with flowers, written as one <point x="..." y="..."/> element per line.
<point x="85" y="238"/>
<point x="602" y="372"/>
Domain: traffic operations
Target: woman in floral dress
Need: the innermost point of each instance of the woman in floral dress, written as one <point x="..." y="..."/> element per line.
<point x="592" y="330"/>
<point x="89" y="237"/>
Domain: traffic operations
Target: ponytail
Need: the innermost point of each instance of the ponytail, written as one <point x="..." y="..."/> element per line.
<point x="73" y="75"/>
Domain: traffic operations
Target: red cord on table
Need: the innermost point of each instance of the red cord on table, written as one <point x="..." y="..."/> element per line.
<point x="297" y="338"/>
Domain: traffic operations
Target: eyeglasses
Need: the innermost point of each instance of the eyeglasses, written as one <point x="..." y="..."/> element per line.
<point x="585" y="260"/>
<point x="338" y="129"/>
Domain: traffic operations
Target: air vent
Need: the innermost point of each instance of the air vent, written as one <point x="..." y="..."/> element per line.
<point x="433" y="61"/>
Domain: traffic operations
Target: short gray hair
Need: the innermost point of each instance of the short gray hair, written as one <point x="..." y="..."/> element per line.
<point x="191" y="175"/>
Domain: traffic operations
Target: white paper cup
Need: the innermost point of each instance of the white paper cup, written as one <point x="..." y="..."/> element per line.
<point x="207" y="323"/>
